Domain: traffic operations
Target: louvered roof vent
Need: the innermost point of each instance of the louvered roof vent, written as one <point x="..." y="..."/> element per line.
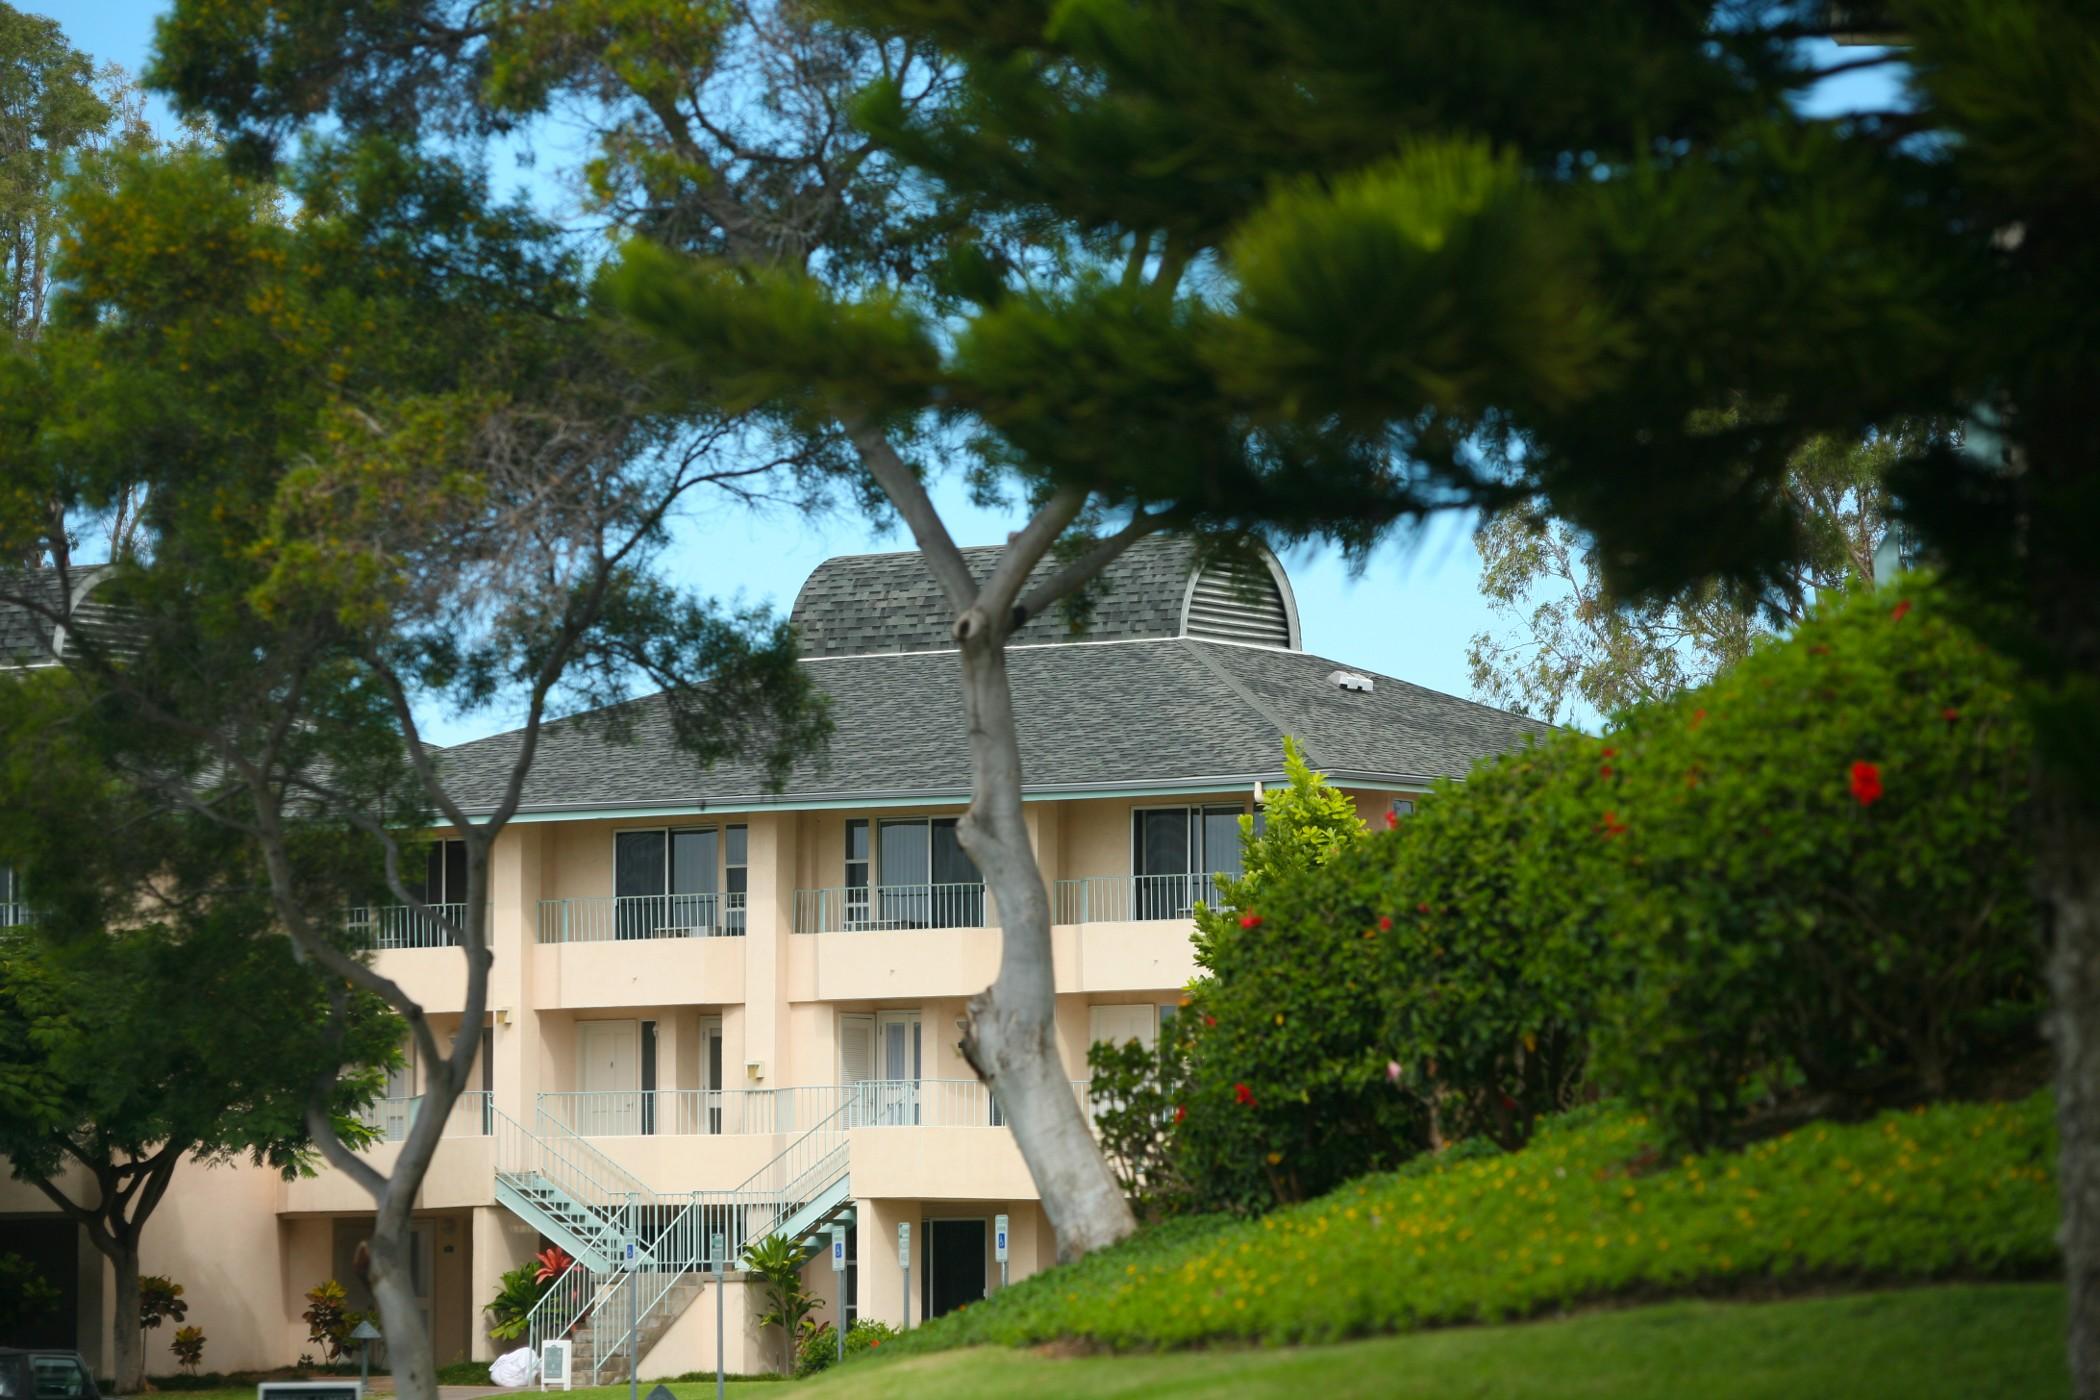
<point x="1241" y="600"/>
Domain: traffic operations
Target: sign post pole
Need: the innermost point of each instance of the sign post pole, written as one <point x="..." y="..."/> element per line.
<point x="999" y="1247"/>
<point x="715" y="1248"/>
<point x="904" y="1258"/>
<point x="838" y="1266"/>
<point x="634" y="1325"/>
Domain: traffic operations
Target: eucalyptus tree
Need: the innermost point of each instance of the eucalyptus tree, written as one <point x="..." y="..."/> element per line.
<point x="393" y="466"/>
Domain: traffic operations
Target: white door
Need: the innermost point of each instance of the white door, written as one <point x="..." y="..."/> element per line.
<point x="897" y="1049"/>
<point x="711" y="1079"/>
<point x="610" y="1076"/>
<point x="397" y="1111"/>
<point x="857" y="1066"/>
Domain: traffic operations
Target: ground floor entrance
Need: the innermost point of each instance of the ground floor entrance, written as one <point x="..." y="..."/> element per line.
<point x="955" y="1257"/>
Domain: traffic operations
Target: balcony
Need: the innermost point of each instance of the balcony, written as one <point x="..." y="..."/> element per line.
<point x="1092" y="899"/>
<point x="386" y="926"/>
<point x="473" y="1115"/>
<point x="861" y="909"/>
<point x="870" y="1103"/>
<point x="1121" y="899"/>
<point x="612" y="918"/>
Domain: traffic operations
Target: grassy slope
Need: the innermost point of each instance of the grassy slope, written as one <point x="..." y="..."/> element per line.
<point x="1957" y="1191"/>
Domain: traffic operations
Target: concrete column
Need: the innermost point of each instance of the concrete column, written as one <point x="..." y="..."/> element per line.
<point x="500" y="1243"/>
<point x="516" y="876"/>
<point x="881" y="1279"/>
<point x="772" y="903"/>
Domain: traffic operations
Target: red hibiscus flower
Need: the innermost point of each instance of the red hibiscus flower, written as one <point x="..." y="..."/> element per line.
<point x="1180" y="1113"/>
<point x="1866" y="783"/>
<point x="1950" y="714"/>
<point x="1698" y="718"/>
<point x="1250" y="921"/>
<point x="1243" y="1096"/>
<point x="1385" y="923"/>
<point x="1604" y="770"/>
<point x="1209" y="1020"/>
<point x="1392" y="819"/>
<point x="1896" y="613"/>
<point x="1611" y="825"/>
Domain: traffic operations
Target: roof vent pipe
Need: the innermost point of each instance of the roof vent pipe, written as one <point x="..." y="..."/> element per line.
<point x="1350" y="680"/>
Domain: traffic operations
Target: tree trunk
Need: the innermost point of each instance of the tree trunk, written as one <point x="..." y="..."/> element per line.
<point x="128" y="1343"/>
<point x="392" y="1281"/>
<point x="1012" y="1034"/>
<point x="2068" y="870"/>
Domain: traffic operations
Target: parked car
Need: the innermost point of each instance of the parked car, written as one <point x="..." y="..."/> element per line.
<point x="37" y="1373"/>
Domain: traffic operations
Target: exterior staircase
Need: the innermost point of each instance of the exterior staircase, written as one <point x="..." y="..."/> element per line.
<point x="642" y="1257"/>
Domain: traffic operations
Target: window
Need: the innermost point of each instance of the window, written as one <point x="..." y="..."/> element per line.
<point x="1174" y="853"/>
<point x="666" y="883"/>
<point x="59" y="1378"/>
<point x="736" y="876"/>
<point x="857" y="868"/>
<point x="1398" y="808"/>
<point x="445" y="873"/>
<point x="919" y="876"/>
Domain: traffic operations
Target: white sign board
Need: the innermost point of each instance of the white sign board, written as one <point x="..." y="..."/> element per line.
<point x="904" y="1243"/>
<point x="838" y="1249"/>
<point x="554" y="1364"/>
<point x="999" y="1238"/>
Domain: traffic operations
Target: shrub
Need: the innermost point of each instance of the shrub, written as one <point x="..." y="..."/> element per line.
<point x="517" y="1293"/>
<point x="27" y="1298"/>
<point x="1280" y="1036"/>
<point x="160" y="1299"/>
<point x="188" y="1346"/>
<point x="820" y="1346"/>
<point x="329" y="1318"/>
<point x="1823" y="887"/>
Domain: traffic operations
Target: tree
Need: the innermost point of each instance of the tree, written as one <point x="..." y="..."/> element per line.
<point x="56" y="110"/>
<point x="1564" y="639"/>
<point x="118" y="1059"/>
<point x="390" y="460"/>
<point x="1394" y="259"/>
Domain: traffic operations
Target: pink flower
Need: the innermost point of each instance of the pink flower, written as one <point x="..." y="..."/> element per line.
<point x="1392" y="1071"/>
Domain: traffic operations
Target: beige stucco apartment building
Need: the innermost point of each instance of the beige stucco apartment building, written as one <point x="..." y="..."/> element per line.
<point x="700" y="986"/>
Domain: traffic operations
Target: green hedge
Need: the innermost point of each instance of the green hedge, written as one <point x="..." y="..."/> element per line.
<point x="1588" y="1211"/>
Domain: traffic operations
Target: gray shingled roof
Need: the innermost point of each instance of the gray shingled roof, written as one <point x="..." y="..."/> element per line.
<point x="860" y="603"/>
<point x="1133" y="715"/>
<point x="26" y="636"/>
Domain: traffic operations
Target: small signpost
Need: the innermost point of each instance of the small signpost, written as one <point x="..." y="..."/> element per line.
<point x="364" y="1334"/>
<point x="904" y="1259"/>
<point x="554" y="1363"/>
<point x="999" y="1246"/>
<point x="838" y="1266"/>
<point x="716" y="1251"/>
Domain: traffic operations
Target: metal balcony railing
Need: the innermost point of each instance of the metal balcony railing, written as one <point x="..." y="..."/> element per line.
<point x="610" y="918"/>
<point x="1104" y="899"/>
<point x="406" y="926"/>
<point x="868" y="1103"/>
<point x="472" y="1115"/>
<point x="864" y="908"/>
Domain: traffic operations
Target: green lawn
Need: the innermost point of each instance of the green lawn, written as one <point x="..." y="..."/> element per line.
<point x="1974" y="1340"/>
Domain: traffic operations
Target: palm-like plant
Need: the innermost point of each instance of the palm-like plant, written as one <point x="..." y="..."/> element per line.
<point x="777" y="1260"/>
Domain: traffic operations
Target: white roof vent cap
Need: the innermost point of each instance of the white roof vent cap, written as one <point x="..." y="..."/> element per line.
<point x="1350" y="680"/>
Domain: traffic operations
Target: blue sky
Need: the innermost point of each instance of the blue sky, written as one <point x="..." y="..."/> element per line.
<point x="1410" y="613"/>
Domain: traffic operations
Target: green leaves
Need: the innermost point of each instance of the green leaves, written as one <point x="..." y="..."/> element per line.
<point x="1437" y="280"/>
<point x="775" y="338"/>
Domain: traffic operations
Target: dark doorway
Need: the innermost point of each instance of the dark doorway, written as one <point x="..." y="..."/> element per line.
<point x="955" y="1258"/>
<point x="45" y="1265"/>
